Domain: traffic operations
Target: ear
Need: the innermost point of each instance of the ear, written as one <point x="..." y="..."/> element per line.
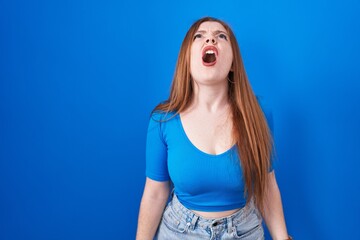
<point x="232" y="67"/>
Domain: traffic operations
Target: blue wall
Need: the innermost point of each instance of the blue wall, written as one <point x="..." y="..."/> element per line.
<point x="78" y="80"/>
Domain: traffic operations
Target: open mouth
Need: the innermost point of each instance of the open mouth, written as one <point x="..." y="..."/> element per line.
<point x="209" y="56"/>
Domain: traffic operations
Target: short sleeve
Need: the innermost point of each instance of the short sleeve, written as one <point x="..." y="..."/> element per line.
<point x="156" y="150"/>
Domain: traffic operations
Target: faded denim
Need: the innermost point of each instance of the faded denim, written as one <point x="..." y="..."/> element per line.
<point x="178" y="222"/>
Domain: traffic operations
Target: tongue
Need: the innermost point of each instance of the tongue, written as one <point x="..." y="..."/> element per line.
<point x="209" y="58"/>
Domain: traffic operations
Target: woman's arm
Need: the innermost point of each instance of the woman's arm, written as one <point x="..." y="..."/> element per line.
<point x="152" y="205"/>
<point x="273" y="210"/>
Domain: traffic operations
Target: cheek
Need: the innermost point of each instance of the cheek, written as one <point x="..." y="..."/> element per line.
<point x="194" y="53"/>
<point x="230" y="56"/>
<point x="193" y="61"/>
<point x="195" y="58"/>
<point x="231" y="59"/>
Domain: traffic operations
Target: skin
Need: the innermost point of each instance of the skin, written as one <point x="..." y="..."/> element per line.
<point x="151" y="208"/>
<point x="210" y="34"/>
<point x="208" y="124"/>
<point x="207" y="121"/>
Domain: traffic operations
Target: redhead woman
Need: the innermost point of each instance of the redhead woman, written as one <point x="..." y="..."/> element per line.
<point x="209" y="149"/>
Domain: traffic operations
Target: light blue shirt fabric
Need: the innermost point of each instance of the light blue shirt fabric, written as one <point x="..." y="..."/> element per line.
<point x="202" y="181"/>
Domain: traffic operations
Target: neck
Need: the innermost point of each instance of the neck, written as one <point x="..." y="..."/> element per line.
<point x="210" y="98"/>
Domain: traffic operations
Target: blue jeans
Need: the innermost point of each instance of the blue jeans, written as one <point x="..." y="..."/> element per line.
<point x="178" y="222"/>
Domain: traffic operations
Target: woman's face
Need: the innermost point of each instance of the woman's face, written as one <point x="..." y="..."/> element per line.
<point x="211" y="55"/>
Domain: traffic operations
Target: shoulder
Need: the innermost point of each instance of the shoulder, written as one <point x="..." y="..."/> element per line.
<point x="162" y="116"/>
<point x="161" y="122"/>
<point x="162" y="119"/>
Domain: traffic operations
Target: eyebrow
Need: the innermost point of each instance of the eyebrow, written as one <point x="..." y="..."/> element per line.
<point x="215" y="32"/>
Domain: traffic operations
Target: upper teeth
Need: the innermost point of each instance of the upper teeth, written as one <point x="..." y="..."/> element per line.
<point x="209" y="52"/>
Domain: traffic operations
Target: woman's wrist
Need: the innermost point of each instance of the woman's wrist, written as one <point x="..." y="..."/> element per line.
<point x="283" y="238"/>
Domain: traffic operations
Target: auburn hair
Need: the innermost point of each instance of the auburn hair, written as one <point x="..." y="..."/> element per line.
<point x="250" y="129"/>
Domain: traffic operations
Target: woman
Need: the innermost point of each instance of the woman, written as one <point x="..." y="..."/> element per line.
<point x="211" y="140"/>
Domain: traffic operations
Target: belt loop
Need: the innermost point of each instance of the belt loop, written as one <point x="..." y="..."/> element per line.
<point x="229" y="225"/>
<point x="193" y="221"/>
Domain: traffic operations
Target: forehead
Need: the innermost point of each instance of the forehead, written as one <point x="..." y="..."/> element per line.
<point x="211" y="26"/>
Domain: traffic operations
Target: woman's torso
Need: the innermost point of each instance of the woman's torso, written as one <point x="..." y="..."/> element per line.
<point x="210" y="133"/>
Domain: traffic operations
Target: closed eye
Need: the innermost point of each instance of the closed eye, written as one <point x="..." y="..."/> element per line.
<point x="223" y="36"/>
<point x="197" y="36"/>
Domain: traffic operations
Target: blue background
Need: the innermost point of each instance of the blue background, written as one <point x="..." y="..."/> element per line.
<point x="78" y="80"/>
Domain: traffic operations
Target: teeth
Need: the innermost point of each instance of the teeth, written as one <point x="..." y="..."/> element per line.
<point x="209" y="52"/>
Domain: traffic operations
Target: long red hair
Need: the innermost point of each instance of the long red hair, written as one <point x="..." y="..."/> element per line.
<point x="250" y="128"/>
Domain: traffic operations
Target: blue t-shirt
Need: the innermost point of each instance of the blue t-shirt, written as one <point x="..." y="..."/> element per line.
<point x="202" y="181"/>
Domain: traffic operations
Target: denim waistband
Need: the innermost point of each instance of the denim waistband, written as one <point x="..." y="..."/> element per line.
<point x="192" y="219"/>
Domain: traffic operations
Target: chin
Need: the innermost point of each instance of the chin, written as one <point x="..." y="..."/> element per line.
<point x="210" y="81"/>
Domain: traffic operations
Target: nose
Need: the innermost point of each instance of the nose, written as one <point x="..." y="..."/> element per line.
<point x="212" y="40"/>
